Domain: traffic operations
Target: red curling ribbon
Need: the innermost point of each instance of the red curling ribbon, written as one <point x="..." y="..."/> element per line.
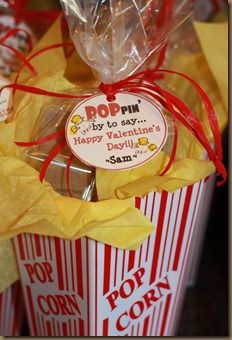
<point x="162" y="56"/>
<point x="21" y="57"/>
<point x="193" y="124"/>
<point x="166" y="13"/>
<point x="52" y="154"/>
<point x="43" y="140"/>
<point x="37" y="53"/>
<point x="208" y="106"/>
<point x="173" y="104"/>
<point x="165" y="16"/>
<point x="69" y="163"/>
<point x="142" y="82"/>
<point x="57" y="148"/>
<point x="36" y="90"/>
<point x="174" y="149"/>
<point x="12" y="32"/>
<point x="170" y="108"/>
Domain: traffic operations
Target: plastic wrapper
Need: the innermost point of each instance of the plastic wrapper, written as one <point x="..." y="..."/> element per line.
<point x="184" y="40"/>
<point x="82" y="177"/>
<point x="115" y="39"/>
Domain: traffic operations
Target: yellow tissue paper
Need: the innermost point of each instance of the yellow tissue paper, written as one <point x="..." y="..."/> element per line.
<point x="36" y="208"/>
<point x="213" y="38"/>
<point x="8" y="266"/>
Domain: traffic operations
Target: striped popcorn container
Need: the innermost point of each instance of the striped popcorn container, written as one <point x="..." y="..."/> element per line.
<point x="11" y="311"/>
<point x="200" y="230"/>
<point x="86" y="288"/>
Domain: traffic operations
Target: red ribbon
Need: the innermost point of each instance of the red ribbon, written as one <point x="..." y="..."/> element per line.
<point x="55" y="151"/>
<point x="11" y="33"/>
<point x="41" y="51"/>
<point x="164" y="19"/>
<point x="69" y="163"/>
<point x="145" y="82"/>
<point x="42" y="140"/>
<point x="170" y="102"/>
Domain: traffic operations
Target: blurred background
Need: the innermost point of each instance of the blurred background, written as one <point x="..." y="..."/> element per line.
<point x="206" y="304"/>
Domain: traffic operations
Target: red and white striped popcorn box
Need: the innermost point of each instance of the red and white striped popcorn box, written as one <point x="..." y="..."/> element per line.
<point x="11" y="311"/>
<point x="200" y="230"/>
<point x="86" y="288"/>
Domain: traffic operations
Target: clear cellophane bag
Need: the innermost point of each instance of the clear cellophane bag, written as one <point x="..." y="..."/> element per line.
<point x="116" y="39"/>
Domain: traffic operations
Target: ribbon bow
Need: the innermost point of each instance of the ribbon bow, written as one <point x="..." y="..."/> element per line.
<point x="144" y="82"/>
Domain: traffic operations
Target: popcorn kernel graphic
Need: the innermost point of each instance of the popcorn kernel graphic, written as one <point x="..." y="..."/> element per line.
<point x="152" y="147"/>
<point x="74" y="129"/>
<point x="76" y="120"/>
<point x="143" y="141"/>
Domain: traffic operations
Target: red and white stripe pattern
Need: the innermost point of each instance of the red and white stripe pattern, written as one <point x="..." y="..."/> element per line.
<point x="85" y="288"/>
<point x="11" y="311"/>
<point x="200" y="230"/>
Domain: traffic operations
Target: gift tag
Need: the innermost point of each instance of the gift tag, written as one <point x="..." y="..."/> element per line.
<point x="6" y="108"/>
<point x="117" y="135"/>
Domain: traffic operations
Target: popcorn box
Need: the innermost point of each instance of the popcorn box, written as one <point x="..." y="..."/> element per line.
<point x="11" y="311"/>
<point x="86" y="288"/>
<point x="200" y="230"/>
<point x="197" y="242"/>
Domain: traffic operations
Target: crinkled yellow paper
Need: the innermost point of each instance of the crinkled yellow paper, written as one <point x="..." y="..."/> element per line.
<point x="8" y="266"/>
<point x="36" y="208"/>
<point x="32" y="207"/>
<point x="213" y="43"/>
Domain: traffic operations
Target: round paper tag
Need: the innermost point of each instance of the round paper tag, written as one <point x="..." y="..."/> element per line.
<point x="117" y="135"/>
